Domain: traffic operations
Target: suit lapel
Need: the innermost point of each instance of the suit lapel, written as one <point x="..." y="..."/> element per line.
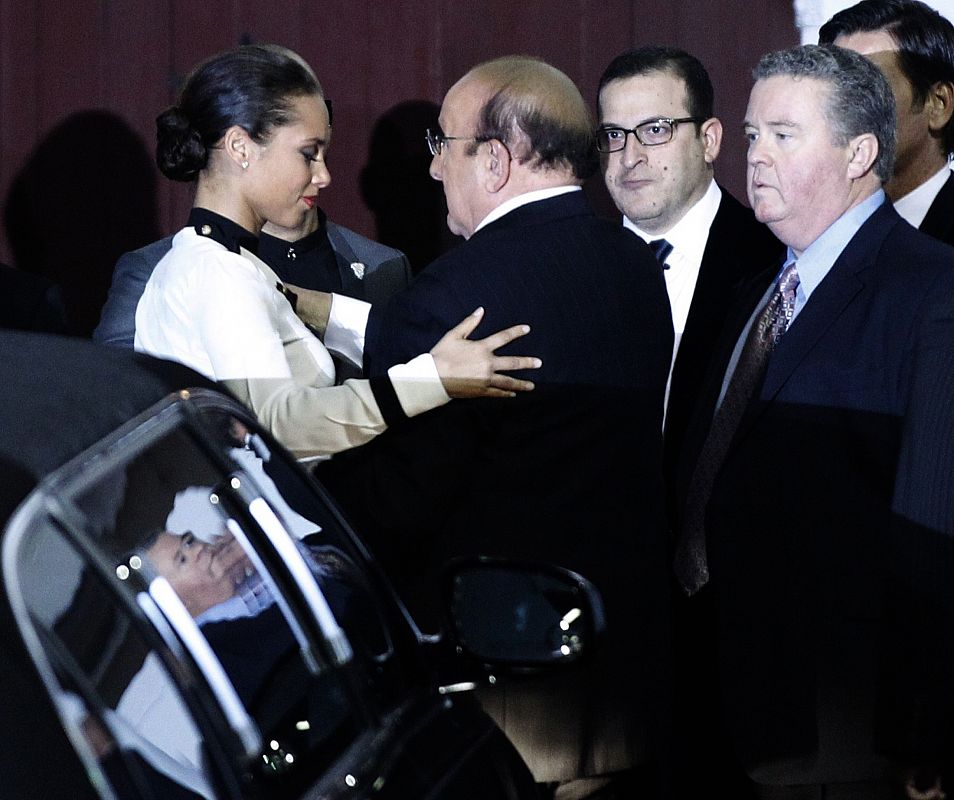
<point x="828" y="302"/>
<point x="750" y="298"/>
<point x="733" y="255"/>
<point x="351" y="284"/>
<point x="939" y="221"/>
<point x="709" y="284"/>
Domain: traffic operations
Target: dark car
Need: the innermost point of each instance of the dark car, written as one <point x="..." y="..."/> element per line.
<point x="186" y="613"/>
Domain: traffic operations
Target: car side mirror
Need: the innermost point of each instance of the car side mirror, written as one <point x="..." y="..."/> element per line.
<point x="529" y="615"/>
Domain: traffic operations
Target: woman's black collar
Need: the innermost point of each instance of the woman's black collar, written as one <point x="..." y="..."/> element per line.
<point x="227" y="233"/>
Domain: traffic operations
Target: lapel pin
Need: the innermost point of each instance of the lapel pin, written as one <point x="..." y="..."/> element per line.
<point x="358" y="269"/>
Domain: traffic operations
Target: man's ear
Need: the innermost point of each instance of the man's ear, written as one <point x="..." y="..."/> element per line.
<point x="939" y="106"/>
<point x="711" y="133"/>
<point x="238" y="147"/>
<point x="862" y="151"/>
<point x="497" y="161"/>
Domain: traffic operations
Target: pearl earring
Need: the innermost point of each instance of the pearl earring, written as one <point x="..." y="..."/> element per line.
<point x="245" y="165"/>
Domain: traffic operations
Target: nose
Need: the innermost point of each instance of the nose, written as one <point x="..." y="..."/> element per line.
<point x="436" y="168"/>
<point x="633" y="152"/>
<point x="320" y="175"/>
<point x="757" y="152"/>
<point x="191" y="547"/>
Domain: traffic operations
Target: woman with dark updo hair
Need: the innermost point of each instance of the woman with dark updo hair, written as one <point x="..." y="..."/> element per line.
<point x="251" y="128"/>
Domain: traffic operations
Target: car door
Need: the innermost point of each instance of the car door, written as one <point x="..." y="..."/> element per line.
<point x="207" y="626"/>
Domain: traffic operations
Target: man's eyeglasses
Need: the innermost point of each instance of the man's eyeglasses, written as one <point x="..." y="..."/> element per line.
<point x="650" y="133"/>
<point x="436" y="141"/>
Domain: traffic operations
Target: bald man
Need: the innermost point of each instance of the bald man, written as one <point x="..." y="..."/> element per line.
<point x="570" y="474"/>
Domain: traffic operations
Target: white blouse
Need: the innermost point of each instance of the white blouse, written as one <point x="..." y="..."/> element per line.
<point x="220" y="313"/>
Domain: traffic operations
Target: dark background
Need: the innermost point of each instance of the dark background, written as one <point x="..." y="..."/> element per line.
<point x="82" y="82"/>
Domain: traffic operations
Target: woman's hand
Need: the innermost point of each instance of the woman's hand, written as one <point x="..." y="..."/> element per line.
<point x="469" y="368"/>
<point x="312" y="307"/>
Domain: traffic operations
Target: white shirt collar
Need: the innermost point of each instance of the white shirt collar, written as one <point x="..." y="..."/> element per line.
<point x="522" y="200"/>
<point x="820" y="256"/>
<point x="914" y="206"/>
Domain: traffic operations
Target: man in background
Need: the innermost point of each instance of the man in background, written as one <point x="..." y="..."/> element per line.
<point x="914" y="47"/>
<point x="659" y="138"/>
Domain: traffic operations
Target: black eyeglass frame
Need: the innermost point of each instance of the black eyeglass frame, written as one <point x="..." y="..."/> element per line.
<point x="672" y="122"/>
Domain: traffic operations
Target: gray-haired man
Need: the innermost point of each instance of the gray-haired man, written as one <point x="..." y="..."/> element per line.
<point x="810" y="454"/>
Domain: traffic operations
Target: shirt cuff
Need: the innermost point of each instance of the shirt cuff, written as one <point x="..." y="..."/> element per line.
<point x="347" y="323"/>
<point x="417" y="385"/>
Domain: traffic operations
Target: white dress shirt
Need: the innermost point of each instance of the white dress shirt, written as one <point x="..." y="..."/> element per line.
<point x="688" y="238"/>
<point x="915" y="205"/>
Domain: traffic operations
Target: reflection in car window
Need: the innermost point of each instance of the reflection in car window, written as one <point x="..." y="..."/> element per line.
<point x="173" y="511"/>
<point x="95" y="650"/>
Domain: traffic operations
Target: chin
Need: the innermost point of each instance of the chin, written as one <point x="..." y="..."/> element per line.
<point x="293" y="223"/>
<point x="457" y="229"/>
<point x="763" y="214"/>
<point x="640" y="215"/>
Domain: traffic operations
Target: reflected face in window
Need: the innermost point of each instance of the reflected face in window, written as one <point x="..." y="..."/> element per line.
<point x="203" y="575"/>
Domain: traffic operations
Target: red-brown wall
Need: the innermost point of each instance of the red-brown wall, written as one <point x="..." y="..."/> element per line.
<point x="81" y="83"/>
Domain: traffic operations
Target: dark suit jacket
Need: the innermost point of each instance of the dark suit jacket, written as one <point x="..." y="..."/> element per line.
<point x="738" y="248"/>
<point x="568" y="473"/>
<point x="804" y="546"/>
<point x="939" y="221"/>
<point x="386" y="272"/>
<point x="30" y="302"/>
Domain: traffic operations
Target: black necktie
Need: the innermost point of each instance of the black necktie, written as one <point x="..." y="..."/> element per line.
<point x="691" y="564"/>
<point x="661" y="249"/>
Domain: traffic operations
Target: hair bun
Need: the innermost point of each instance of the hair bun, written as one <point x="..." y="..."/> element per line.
<point x="180" y="152"/>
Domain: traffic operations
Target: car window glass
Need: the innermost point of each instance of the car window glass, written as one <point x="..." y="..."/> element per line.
<point x="180" y="515"/>
<point x="110" y="674"/>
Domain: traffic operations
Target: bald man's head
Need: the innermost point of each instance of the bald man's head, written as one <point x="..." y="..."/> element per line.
<point x="536" y="111"/>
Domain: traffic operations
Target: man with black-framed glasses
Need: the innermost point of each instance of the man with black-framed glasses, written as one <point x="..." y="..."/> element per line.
<point x="658" y="140"/>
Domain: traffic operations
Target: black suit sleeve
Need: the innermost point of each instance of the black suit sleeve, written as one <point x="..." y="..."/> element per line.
<point x="386" y="280"/>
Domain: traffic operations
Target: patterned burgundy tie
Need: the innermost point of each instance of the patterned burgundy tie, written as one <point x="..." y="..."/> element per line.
<point x="691" y="564"/>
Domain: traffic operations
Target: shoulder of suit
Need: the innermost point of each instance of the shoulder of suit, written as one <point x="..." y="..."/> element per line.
<point x="367" y="250"/>
<point x="914" y="241"/>
<point x="939" y="220"/>
<point x="733" y="210"/>
<point x="143" y="261"/>
<point x="737" y="229"/>
<point x="160" y="247"/>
